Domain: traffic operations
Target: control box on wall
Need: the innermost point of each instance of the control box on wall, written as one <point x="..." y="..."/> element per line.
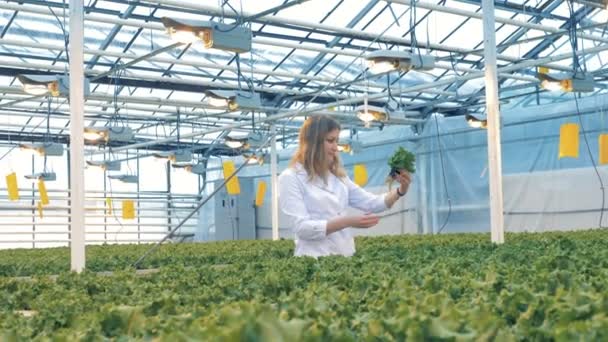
<point x="235" y="214"/>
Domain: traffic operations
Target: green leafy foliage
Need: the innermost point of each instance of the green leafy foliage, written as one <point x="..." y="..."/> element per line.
<point x="402" y="159"/>
<point x="452" y="287"/>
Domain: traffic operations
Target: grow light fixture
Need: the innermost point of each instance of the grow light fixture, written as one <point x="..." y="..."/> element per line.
<point x="55" y="85"/>
<point x="179" y="156"/>
<point x="125" y="178"/>
<point x="382" y="61"/>
<point x="198" y="169"/>
<point x="45" y="176"/>
<point x="251" y="140"/>
<point x="233" y="100"/>
<point x="105" y="165"/>
<point x="107" y="134"/>
<point x="254" y="159"/>
<point x="350" y="146"/>
<point x="236" y="142"/>
<point x="594" y="3"/>
<point x="214" y="35"/>
<point x="566" y="82"/>
<point x="368" y="114"/>
<point x="344" y="147"/>
<point x="44" y="149"/>
<point x="476" y="122"/>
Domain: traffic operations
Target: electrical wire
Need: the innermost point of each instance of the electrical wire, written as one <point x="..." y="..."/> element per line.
<point x="413" y="39"/>
<point x="62" y="26"/>
<point x="599" y="177"/>
<point x="239" y="17"/>
<point x="578" y="67"/>
<point x="445" y="182"/>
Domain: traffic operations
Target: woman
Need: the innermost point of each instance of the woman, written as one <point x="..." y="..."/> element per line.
<point x="314" y="193"/>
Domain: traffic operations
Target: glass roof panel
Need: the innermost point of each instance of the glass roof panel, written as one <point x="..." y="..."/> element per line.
<point x="150" y="80"/>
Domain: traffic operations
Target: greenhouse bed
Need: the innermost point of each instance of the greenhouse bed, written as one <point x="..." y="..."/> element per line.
<point x="549" y="286"/>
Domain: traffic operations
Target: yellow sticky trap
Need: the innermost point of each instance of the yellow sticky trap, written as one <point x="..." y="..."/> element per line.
<point x="11" y="184"/>
<point x="40" y="209"/>
<point x="603" y="142"/>
<point x="232" y="186"/>
<point x="568" y="140"/>
<point x="360" y="174"/>
<point x="44" y="196"/>
<point x="259" y="197"/>
<point x="543" y="70"/>
<point x="128" y="210"/>
<point x="109" y="205"/>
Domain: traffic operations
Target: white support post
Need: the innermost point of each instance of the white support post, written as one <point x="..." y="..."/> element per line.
<point x="494" y="149"/>
<point x="274" y="183"/>
<point x="77" y="135"/>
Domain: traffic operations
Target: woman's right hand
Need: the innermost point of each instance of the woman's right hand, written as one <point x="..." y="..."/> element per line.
<point x="355" y="221"/>
<point x="364" y="221"/>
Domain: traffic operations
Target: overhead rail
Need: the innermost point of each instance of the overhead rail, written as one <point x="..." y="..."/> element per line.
<point x="310" y="25"/>
<point x="317" y="108"/>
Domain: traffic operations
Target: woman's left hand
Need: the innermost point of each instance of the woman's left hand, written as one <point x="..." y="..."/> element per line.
<point x="404" y="178"/>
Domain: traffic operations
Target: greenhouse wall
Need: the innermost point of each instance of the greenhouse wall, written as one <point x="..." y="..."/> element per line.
<point x="541" y="192"/>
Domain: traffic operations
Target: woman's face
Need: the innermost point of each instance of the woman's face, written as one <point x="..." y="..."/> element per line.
<point x="331" y="145"/>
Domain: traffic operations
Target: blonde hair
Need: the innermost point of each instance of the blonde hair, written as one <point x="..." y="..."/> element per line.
<point x="311" y="150"/>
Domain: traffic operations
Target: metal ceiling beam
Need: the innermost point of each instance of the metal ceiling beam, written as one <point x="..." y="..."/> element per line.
<point x="34" y="137"/>
<point x="110" y="37"/>
<point x="169" y="83"/>
<point x="344" y="32"/>
<point x="535" y="51"/>
<point x="274" y="10"/>
<point x="8" y="24"/>
<point x="319" y="108"/>
<point x="197" y="64"/>
<point x="317" y="59"/>
<point x="517" y="34"/>
<point x="332" y="30"/>
<point x="522" y="9"/>
<point x="580" y="14"/>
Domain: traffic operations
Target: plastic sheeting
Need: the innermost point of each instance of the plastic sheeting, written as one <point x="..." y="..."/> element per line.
<point x="541" y="192"/>
<point x="450" y="192"/>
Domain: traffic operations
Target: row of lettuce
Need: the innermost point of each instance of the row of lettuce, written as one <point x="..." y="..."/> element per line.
<point x="454" y="287"/>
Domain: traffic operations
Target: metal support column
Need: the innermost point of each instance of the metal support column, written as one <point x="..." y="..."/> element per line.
<point x="274" y="183"/>
<point x="76" y="51"/>
<point x="494" y="156"/>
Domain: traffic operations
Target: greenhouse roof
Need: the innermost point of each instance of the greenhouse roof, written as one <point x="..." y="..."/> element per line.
<point x="306" y="57"/>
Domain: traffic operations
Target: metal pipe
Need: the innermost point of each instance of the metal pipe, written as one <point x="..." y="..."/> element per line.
<point x="269" y="20"/>
<point x="339" y="114"/>
<point x="212" y="10"/>
<point x="198" y="82"/>
<point x="507" y="21"/>
<point x="259" y="71"/>
<point x="136" y="60"/>
<point x="315" y="109"/>
<point x="77" y="135"/>
<point x="492" y="100"/>
<point x="274" y="183"/>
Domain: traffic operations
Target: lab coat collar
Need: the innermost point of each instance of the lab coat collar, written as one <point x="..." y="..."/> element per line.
<point x="316" y="182"/>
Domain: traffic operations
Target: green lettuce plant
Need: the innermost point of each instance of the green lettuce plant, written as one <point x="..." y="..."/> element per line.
<point x="402" y="159"/>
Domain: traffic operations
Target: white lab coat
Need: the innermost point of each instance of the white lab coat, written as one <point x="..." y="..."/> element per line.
<point x="310" y="204"/>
